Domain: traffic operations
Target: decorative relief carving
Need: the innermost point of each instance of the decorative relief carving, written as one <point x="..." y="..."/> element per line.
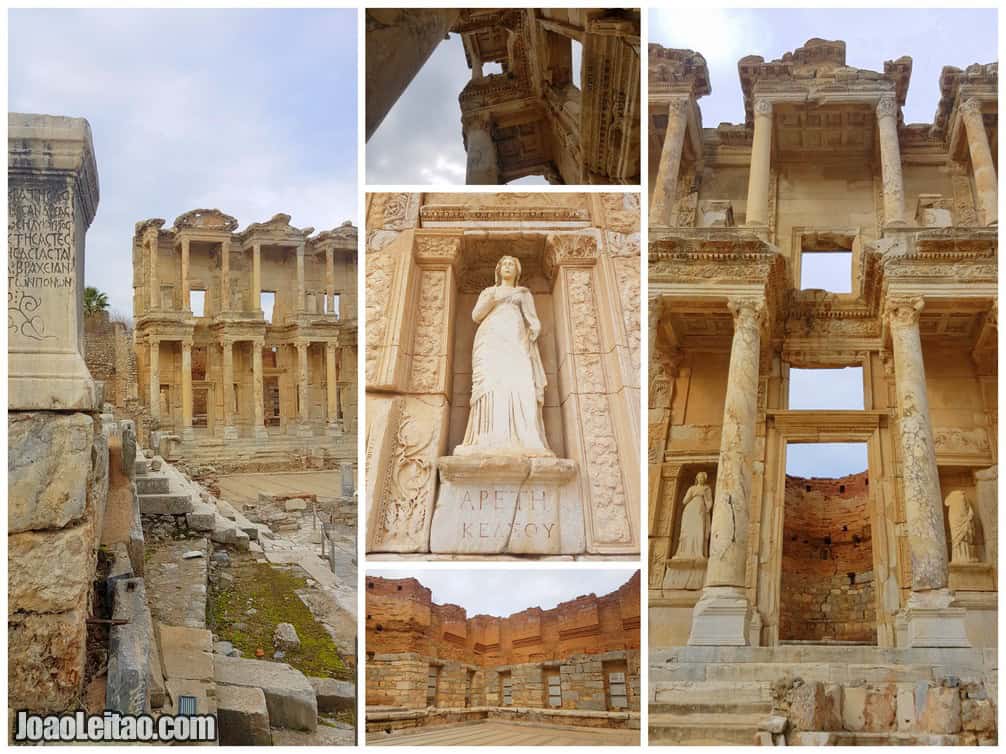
<point x="379" y="277"/>
<point x="961" y="441"/>
<point x="568" y="248"/>
<point x="887" y="107"/>
<point x="428" y="348"/>
<point x="403" y="520"/>
<point x="627" y="273"/>
<point x="621" y="212"/>
<point x="430" y="248"/>
<point x="397" y="211"/>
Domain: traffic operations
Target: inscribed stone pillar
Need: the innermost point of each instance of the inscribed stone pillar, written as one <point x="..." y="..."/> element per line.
<point x="722" y="614"/>
<point x="301" y="295"/>
<point x="931" y="621"/>
<point x="155" y="377"/>
<point x="225" y="275"/>
<point x="981" y="161"/>
<point x="662" y="206"/>
<point x="761" y="157"/>
<point x="186" y="298"/>
<point x="399" y="41"/>
<point x="257" y="389"/>
<point x="230" y="431"/>
<point x="187" y="388"/>
<point x="256" y="279"/>
<point x="331" y="386"/>
<point x="51" y="200"/>
<point x="483" y="166"/>
<point x="890" y="160"/>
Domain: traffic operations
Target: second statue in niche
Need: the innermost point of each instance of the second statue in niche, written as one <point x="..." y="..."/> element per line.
<point x="508" y="379"/>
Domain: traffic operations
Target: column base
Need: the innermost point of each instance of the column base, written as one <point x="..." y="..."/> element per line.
<point x="188" y="434"/>
<point x="721" y="618"/>
<point x="334" y="429"/>
<point x="230" y="433"/>
<point x="930" y="621"/>
<point x="305" y="429"/>
<point x="261" y="434"/>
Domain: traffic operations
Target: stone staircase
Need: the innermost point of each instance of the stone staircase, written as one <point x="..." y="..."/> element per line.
<point x="691" y="713"/>
<point x="278" y="449"/>
<point x="164" y="491"/>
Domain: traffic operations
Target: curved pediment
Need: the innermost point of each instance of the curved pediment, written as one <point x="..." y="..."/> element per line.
<point x="277" y="228"/>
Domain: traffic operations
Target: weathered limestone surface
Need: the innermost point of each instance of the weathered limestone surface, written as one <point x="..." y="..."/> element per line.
<point x="534" y="118"/>
<point x="897" y="556"/>
<point x="438" y="445"/>
<point x="289" y="696"/>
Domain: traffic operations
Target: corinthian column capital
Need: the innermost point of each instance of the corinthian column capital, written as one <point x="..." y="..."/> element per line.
<point x="887" y="106"/>
<point x="904" y="311"/>
<point x="748" y="312"/>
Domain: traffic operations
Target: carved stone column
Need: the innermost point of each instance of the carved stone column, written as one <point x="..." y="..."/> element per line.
<point x="155" y="285"/>
<point x="225" y="275"/>
<point x="155" y="377"/>
<point x="258" y="392"/>
<point x="483" y="166"/>
<point x="186" y="298"/>
<point x="301" y="295"/>
<point x="722" y="614"/>
<point x="981" y="161"/>
<point x="664" y="197"/>
<point x="230" y="431"/>
<point x="329" y="282"/>
<point x="187" y="389"/>
<point x="890" y="161"/>
<point x="761" y="168"/>
<point x="256" y="279"/>
<point x="399" y="41"/>
<point x="303" y="395"/>
<point x="930" y="620"/>
<point x="331" y="388"/>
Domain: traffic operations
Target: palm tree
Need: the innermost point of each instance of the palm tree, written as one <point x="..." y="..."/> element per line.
<point x="94" y="301"/>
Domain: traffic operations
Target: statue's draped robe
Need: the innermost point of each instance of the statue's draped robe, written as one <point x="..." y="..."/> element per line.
<point x="694" y="523"/>
<point x="508" y="380"/>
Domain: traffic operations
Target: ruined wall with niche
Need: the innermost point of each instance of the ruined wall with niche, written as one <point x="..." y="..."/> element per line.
<point x="584" y="640"/>
<point x="429" y="256"/>
<point x="827" y="561"/>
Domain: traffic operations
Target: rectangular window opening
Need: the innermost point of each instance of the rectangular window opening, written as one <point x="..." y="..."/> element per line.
<point x="267" y="302"/>
<point x="506" y="689"/>
<point x="491" y="68"/>
<point x="826" y="389"/>
<point x="577" y="64"/>
<point x="826" y="270"/>
<point x="197" y="303"/>
<point x="336" y="306"/>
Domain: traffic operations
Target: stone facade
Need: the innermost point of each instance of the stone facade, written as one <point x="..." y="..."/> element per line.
<point x="533" y="118"/>
<point x="579" y="657"/>
<point x="57" y="454"/>
<point x="246" y="339"/>
<point x="823" y="163"/>
<point x="429" y="259"/>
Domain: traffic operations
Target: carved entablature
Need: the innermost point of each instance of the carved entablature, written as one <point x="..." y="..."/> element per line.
<point x="146" y="229"/>
<point x="944" y="253"/>
<point x="206" y="220"/>
<point x="818" y="67"/>
<point x="342" y="238"/>
<point x="432" y="215"/>
<point x="823" y="316"/>
<point x="976" y="77"/>
<point x="676" y="70"/>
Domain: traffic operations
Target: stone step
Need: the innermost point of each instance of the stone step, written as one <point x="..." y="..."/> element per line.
<point x="141" y="466"/>
<point x="289" y="696"/>
<point x="150" y="484"/>
<point x="174" y="504"/>
<point x="699" y="729"/>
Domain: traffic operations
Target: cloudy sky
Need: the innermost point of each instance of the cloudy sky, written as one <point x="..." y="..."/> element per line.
<point x="932" y="37"/>
<point x="419" y="141"/>
<point x="249" y="111"/>
<point x="503" y="593"/>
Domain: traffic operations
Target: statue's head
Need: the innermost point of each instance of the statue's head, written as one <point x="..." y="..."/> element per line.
<point x="701" y="477"/>
<point x="508" y="268"/>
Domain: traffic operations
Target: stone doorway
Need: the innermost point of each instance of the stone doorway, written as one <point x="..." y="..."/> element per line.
<point x="271" y="396"/>
<point x="201" y="406"/>
<point x="827" y="589"/>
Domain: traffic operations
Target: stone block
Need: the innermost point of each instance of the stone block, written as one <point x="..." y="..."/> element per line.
<point x="202" y="517"/>
<point x="333" y="695"/>
<point x="50" y="571"/>
<point x="172" y="504"/>
<point x="285" y="637"/>
<point x="290" y="698"/>
<point x="227" y="533"/>
<point x="48" y="468"/>
<point x="128" y="685"/>
<point x="879" y="713"/>
<point x="812" y="707"/>
<point x="243" y="717"/>
<point x="942" y="710"/>
<point x="186" y="653"/>
<point x="46" y="660"/>
<point x="978" y="716"/>
<point x="854" y="708"/>
<point x="907" y="717"/>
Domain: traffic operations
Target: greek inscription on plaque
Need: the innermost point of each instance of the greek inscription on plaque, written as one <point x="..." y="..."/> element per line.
<point x="41" y="256"/>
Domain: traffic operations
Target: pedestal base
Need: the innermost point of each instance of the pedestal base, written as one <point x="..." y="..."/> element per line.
<point x="49" y="382"/>
<point x="230" y="433"/>
<point x="491" y="505"/>
<point x="304" y="429"/>
<point x="334" y="429"/>
<point x="720" y="618"/>
<point x="930" y="621"/>
<point x="261" y="433"/>
<point x="685" y="573"/>
<point x="188" y="434"/>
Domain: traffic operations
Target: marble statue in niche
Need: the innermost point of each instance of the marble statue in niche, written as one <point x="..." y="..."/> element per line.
<point x="508" y="379"/>
<point x="693" y="541"/>
<point x="963" y="533"/>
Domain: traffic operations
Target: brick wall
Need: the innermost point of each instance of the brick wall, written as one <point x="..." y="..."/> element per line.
<point x="827" y="561"/>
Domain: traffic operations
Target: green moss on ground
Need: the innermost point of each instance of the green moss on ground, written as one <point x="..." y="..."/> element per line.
<point x="271" y="592"/>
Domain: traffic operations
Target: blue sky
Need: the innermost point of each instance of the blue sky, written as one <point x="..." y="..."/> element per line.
<point x="932" y="37"/>
<point x="502" y="593"/>
<point x="249" y="111"/>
